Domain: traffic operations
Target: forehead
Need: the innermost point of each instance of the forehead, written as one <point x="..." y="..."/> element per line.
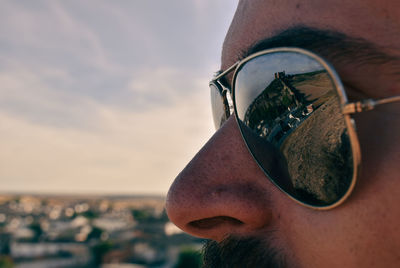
<point x="375" y="21"/>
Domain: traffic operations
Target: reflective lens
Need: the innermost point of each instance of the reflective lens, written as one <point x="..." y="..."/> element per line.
<point x="289" y="114"/>
<point x="219" y="105"/>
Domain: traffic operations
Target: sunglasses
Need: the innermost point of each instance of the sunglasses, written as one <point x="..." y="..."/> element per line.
<point x="294" y="117"/>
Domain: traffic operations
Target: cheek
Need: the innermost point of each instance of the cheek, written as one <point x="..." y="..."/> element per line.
<point x="361" y="231"/>
<point x="317" y="238"/>
<point x="379" y="135"/>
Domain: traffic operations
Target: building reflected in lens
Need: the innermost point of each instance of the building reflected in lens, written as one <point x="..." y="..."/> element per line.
<point x="299" y="114"/>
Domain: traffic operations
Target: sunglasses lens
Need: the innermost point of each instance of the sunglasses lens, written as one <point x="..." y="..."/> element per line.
<point x="219" y="105"/>
<point x="289" y="114"/>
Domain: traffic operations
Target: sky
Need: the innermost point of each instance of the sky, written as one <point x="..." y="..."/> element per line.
<point x="257" y="74"/>
<point x="105" y="97"/>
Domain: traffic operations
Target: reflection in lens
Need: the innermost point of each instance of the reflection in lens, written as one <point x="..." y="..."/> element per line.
<point x="219" y="106"/>
<point x="291" y="120"/>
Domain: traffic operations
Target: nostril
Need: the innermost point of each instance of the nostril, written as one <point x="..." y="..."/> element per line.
<point x="214" y="222"/>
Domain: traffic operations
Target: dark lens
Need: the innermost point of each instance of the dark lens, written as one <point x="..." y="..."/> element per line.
<point x="289" y="114"/>
<point x="219" y="105"/>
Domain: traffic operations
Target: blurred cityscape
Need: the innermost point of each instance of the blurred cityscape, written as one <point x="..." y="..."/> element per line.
<point x="95" y="231"/>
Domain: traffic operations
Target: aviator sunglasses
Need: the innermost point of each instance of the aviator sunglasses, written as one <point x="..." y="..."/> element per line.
<point x="294" y="117"/>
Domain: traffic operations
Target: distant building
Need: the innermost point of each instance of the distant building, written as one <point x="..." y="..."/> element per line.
<point x="310" y="108"/>
<point x="5" y="239"/>
<point x="280" y="75"/>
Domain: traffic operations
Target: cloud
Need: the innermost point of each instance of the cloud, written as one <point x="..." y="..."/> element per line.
<point x="105" y="96"/>
<point x="131" y="153"/>
<point x="164" y="86"/>
<point x="59" y="141"/>
<point x="31" y="96"/>
<point x="49" y="96"/>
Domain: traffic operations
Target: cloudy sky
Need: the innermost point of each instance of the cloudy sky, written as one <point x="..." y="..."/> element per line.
<point x="105" y="96"/>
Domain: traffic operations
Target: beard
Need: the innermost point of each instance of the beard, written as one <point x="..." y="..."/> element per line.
<point x="241" y="253"/>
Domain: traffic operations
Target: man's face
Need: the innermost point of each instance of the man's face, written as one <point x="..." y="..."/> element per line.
<point x="222" y="193"/>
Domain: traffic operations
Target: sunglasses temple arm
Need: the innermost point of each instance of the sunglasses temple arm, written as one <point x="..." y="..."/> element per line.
<point x="366" y="105"/>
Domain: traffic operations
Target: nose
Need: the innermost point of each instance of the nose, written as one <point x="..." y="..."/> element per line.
<point x="222" y="191"/>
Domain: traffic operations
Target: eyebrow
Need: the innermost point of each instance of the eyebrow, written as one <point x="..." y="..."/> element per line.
<point x="333" y="45"/>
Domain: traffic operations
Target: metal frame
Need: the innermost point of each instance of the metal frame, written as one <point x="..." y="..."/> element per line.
<point x="347" y="109"/>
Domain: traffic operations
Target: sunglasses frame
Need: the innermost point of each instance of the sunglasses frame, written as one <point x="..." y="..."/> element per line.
<point x="347" y="108"/>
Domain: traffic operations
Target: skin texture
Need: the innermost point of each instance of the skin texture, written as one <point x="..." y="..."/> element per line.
<point x="223" y="192"/>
